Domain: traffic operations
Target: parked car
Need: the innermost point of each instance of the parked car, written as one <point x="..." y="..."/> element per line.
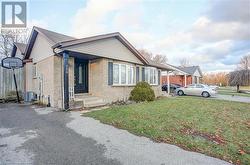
<point x="173" y="87"/>
<point x="214" y="87"/>
<point x="197" y="90"/>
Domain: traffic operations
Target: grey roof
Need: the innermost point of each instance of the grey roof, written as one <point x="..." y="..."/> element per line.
<point x="86" y="39"/>
<point x="66" y="44"/>
<point x="190" y="69"/>
<point x="164" y="67"/>
<point x="54" y="37"/>
<point x="21" y="47"/>
<point x="63" y="42"/>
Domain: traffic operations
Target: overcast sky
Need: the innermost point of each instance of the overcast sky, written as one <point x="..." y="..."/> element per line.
<point x="214" y="34"/>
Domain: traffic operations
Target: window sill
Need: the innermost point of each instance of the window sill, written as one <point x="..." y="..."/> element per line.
<point x="154" y="84"/>
<point x="123" y="85"/>
<point x="132" y="85"/>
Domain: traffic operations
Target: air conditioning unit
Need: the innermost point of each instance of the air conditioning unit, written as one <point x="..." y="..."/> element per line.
<point x="30" y="96"/>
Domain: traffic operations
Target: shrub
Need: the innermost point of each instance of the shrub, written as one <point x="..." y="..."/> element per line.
<point x="142" y="92"/>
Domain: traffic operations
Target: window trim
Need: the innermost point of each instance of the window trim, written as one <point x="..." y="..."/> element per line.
<point x="34" y="71"/>
<point x="127" y="67"/>
<point x="114" y="73"/>
<point x="154" y="76"/>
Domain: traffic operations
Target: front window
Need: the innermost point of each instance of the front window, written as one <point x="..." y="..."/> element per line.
<point x="116" y="73"/>
<point x="151" y="75"/>
<point x="151" y="80"/>
<point x="131" y="75"/>
<point x="146" y="74"/>
<point x="34" y="71"/>
<point x="80" y="74"/>
<point x="123" y="74"/>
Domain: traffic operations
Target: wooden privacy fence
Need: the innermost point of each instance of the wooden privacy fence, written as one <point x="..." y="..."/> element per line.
<point x="7" y="84"/>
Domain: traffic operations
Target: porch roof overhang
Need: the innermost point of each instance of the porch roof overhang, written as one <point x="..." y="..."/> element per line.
<point x="80" y="55"/>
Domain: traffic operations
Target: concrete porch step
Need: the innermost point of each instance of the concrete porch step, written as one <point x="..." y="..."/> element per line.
<point x="82" y="95"/>
<point x="94" y="105"/>
<point x="88" y="101"/>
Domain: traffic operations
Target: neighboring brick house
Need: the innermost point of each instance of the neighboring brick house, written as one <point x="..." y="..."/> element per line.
<point x="66" y="71"/>
<point x="186" y="76"/>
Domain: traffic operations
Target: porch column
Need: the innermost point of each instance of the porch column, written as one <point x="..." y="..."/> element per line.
<point x="66" y="79"/>
<point x="168" y="82"/>
<point x="185" y="80"/>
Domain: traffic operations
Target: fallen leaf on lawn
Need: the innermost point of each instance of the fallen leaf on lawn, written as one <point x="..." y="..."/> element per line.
<point x="241" y="152"/>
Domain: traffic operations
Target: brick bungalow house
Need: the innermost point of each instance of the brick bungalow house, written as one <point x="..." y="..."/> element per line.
<point x="184" y="76"/>
<point x="67" y="72"/>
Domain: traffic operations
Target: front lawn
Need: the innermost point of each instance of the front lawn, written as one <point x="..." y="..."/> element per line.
<point x="214" y="127"/>
<point x="232" y="91"/>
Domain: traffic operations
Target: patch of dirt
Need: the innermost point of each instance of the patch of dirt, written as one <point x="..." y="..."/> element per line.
<point x="248" y="124"/>
<point x="122" y="102"/>
<point x="210" y="137"/>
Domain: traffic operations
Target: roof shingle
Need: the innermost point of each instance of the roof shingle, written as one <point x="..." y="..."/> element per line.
<point x="21" y="47"/>
<point x="190" y="69"/>
<point x="54" y="36"/>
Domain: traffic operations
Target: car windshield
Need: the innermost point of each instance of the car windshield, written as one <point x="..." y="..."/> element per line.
<point x="191" y="86"/>
<point x="200" y="86"/>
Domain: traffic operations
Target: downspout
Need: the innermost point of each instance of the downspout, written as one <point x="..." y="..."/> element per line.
<point x="61" y="76"/>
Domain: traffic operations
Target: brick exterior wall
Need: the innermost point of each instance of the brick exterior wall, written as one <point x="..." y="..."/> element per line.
<point x="51" y="71"/>
<point x="177" y="79"/>
<point x="49" y="78"/>
<point x="98" y="83"/>
<point x="58" y="79"/>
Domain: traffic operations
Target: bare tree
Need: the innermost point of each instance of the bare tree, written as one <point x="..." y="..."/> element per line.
<point x="158" y="58"/>
<point x="220" y="78"/>
<point x="239" y="78"/>
<point x="244" y="63"/>
<point x="7" y="39"/>
<point x="184" y="62"/>
<point x="6" y="43"/>
<point x="146" y="54"/>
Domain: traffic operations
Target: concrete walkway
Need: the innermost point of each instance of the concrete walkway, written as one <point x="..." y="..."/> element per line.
<point x="130" y="149"/>
<point x="233" y="98"/>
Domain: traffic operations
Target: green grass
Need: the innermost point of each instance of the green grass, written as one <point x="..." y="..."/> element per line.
<point x="232" y="91"/>
<point x="214" y="127"/>
<point x="244" y="87"/>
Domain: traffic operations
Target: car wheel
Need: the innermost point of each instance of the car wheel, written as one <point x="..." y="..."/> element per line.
<point x="205" y="94"/>
<point x="180" y="93"/>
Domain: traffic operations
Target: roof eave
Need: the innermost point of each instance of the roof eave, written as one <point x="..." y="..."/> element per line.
<point x="30" y="44"/>
<point x="13" y="52"/>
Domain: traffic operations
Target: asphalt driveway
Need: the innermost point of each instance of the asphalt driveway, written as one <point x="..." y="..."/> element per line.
<point x="41" y="137"/>
<point x="31" y="135"/>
